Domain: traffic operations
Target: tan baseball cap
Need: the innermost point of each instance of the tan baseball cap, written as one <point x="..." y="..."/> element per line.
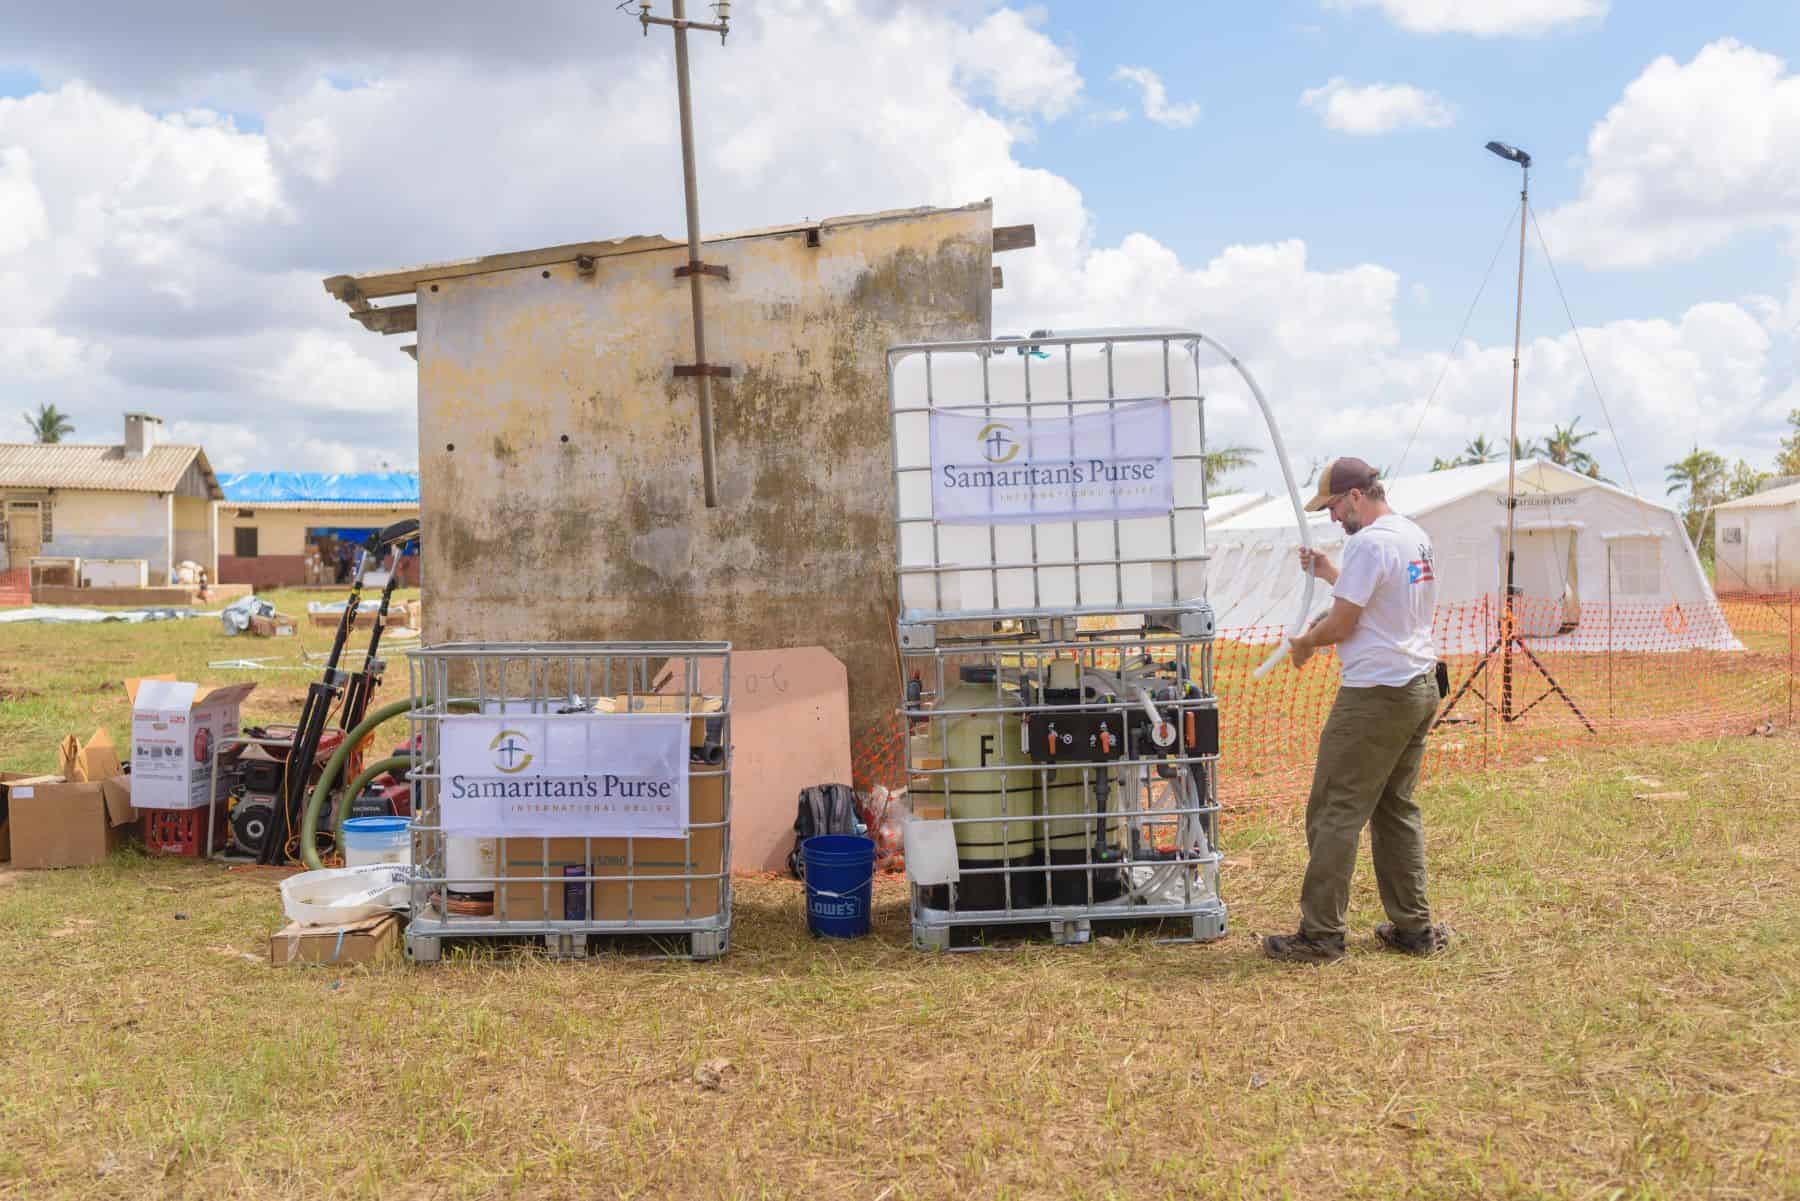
<point x="1338" y="477"/>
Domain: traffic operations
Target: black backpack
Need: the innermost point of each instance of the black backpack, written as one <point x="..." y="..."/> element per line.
<point x="823" y="809"/>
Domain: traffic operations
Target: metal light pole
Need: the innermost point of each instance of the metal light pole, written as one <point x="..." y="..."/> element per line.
<point x="701" y="370"/>
<point x="1515" y="155"/>
<point x="1509" y="640"/>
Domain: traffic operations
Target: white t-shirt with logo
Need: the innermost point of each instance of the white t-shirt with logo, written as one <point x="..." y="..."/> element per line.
<point x="1387" y="570"/>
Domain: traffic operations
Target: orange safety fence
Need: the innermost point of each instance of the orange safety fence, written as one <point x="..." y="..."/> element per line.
<point x="1601" y="676"/>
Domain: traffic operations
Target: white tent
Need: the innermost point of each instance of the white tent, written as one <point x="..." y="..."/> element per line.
<point x="1223" y="505"/>
<point x="1580" y="544"/>
<point x="1756" y="542"/>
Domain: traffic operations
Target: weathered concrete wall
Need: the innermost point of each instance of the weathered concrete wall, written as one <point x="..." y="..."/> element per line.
<point x="193" y="531"/>
<point x="560" y="461"/>
<point x="111" y="525"/>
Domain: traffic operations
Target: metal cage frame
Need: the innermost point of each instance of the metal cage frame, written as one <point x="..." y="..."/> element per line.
<point x="1180" y="385"/>
<point x="469" y="677"/>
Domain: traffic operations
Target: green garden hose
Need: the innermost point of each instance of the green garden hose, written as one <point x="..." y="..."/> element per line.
<point x="309" y="824"/>
<point x="394" y="763"/>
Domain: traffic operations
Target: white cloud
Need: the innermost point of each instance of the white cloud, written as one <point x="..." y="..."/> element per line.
<point x="1483" y="18"/>
<point x="1377" y="107"/>
<point x="179" y="269"/>
<point x="1690" y="157"/>
<point x="22" y="217"/>
<point x="1156" y="98"/>
<point x="1022" y="69"/>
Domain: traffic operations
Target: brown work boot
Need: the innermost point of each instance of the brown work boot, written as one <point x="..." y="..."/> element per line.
<point x="1301" y="947"/>
<point x="1428" y="941"/>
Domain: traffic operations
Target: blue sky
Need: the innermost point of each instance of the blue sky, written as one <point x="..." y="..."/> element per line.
<point x="174" y="182"/>
<point x="1429" y="203"/>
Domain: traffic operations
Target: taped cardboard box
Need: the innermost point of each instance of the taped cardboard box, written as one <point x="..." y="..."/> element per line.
<point x="649" y="895"/>
<point x="7" y="780"/>
<point x="276" y="625"/>
<point x="69" y="824"/>
<point x="640" y="890"/>
<point x="363" y="941"/>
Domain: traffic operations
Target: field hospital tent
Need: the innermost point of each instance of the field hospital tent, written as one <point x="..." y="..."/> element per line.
<point x="1756" y="542"/>
<point x="1581" y="544"/>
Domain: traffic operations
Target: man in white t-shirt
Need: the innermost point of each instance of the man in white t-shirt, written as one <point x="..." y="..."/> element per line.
<point x="1369" y="752"/>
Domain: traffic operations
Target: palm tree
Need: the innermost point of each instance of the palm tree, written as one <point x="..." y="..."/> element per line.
<point x="1563" y="447"/>
<point x="1528" y="450"/>
<point x="1225" y="460"/>
<point x="1702" y="476"/>
<point x="1441" y="464"/>
<point x="1479" y="450"/>
<point x="49" y="424"/>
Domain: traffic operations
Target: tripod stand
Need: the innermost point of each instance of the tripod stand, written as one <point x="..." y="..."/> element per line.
<point x="1509" y="639"/>
<point x="1504" y="645"/>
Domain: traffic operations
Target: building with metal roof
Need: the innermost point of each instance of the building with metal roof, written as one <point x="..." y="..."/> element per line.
<point x="124" y="513"/>
<point x="294" y="527"/>
<point x="1756" y="542"/>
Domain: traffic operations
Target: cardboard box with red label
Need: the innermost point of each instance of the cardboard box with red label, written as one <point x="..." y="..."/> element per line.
<point x="175" y="740"/>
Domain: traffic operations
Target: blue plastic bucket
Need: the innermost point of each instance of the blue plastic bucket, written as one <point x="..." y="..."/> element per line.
<point x="840" y="870"/>
<point x="376" y="840"/>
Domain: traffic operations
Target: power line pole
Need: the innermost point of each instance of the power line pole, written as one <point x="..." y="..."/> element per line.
<point x="701" y="370"/>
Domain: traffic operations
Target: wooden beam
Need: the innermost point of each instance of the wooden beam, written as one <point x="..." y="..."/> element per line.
<point x="1014" y="237"/>
<point x="389" y="319"/>
<point x="999" y="280"/>
<point x="411" y="351"/>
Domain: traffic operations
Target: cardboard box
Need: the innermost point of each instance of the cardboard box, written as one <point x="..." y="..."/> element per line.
<point x="70" y="824"/>
<point x="7" y="780"/>
<point x="649" y="896"/>
<point x="790" y="729"/>
<point x="363" y="941"/>
<point x="276" y="625"/>
<point x="400" y="613"/>
<point x="175" y="740"/>
<point x="88" y="762"/>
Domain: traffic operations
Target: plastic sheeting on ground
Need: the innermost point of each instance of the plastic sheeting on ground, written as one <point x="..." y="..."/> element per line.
<point x="62" y="614"/>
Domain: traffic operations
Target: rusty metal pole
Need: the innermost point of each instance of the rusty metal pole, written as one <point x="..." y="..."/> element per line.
<point x="690" y="184"/>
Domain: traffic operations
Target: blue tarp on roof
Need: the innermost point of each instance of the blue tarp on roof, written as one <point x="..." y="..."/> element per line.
<point x="370" y="487"/>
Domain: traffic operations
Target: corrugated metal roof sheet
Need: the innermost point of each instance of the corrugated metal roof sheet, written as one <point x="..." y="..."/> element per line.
<point x="370" y="285"/>
<point x="1774" y="498"/>
<point x="299" y="488"/>
<point x="99" y="468"/>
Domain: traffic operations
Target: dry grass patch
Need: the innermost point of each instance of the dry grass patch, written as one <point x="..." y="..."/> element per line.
<point x="1619" y="1019"/>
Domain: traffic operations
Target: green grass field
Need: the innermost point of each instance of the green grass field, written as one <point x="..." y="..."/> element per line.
<point x="68" y="679"/>
<point x="1619" y="1018"/>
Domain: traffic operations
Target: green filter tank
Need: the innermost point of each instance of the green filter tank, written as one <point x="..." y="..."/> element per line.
<point x="1006" y="790"/>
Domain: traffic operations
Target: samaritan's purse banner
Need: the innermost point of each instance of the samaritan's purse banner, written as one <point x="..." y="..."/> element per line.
<point x="593" y="775"/>
<point x="1093" y="467"/>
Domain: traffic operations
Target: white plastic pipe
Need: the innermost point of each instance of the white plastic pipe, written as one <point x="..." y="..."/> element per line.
<point x="1287" y="475"/>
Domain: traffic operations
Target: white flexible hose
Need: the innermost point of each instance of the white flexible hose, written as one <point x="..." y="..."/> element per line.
<point x="1287" y="475"/>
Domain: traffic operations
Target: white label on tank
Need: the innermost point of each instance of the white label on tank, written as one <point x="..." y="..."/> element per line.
<point x="1112" y="464"/>
<point x="591" y="775"/>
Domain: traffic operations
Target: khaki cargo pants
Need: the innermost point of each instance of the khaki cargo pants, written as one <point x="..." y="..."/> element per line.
<point x="1369" y="757"/>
